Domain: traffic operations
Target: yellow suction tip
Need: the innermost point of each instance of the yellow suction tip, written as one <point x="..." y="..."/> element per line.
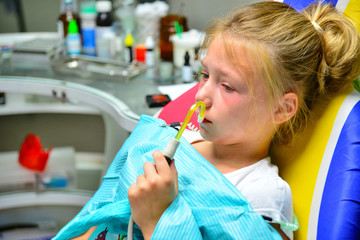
<point x="189" y="114"/>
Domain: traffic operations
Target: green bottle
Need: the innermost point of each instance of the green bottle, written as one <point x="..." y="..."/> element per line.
<point x="73" y="39"/>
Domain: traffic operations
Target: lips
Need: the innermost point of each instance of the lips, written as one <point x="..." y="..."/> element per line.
<point x="206" y="120"/>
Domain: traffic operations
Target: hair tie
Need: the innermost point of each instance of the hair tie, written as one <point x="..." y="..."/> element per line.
<point x="316" y="26"/>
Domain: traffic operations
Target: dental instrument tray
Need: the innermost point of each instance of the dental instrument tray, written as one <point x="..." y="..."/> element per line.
<point x="85" y="66"/>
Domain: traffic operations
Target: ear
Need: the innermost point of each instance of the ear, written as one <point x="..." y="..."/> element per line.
<point x="286" y="107"/>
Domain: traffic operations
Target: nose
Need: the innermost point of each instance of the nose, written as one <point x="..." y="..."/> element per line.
<point x="204" y="93"/>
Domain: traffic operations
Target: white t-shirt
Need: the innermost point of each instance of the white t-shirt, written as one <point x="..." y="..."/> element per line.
<point x="268" y="194"/>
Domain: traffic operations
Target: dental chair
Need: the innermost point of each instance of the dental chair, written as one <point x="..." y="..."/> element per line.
<point x="322" y="166"/>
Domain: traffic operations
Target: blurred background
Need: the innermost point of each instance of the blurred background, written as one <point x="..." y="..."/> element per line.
<point x="41" y="15"/>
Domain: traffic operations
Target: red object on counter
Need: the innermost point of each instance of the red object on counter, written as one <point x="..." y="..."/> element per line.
<point x="140" y="51"/>
<point x="32" y="155"/>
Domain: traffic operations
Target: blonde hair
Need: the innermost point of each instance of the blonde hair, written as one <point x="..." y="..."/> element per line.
<point x="312" y="53"/>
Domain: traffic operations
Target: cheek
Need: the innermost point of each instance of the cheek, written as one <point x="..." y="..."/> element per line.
<point x="236" y="106"/>
<point x="229" y="101"/>
<point x="235" y="118"/>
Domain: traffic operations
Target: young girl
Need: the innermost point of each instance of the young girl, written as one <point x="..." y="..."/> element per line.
<point x="265" y="64"/>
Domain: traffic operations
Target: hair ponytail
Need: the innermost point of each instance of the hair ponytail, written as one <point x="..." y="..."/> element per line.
<point x="339" y="63"/>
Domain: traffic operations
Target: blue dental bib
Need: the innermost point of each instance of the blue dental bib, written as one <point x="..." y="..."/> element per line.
<point x="208" y="206"/>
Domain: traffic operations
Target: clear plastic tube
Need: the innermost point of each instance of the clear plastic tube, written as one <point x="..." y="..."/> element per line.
<point x="289" y="226"/>
<point x="188" y="116"/>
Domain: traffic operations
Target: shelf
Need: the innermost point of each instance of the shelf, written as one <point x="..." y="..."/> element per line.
<point x="25" y="104"/>
<point x="49" y="198"/>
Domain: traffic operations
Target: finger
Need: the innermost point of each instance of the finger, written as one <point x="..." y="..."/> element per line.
<point x="132" y="192"/>
<point x="140" y="179"/>
<point x="150" y="170"/>
<point x="161" y="164"/>
<point x="173" y="168"/>
<point x="174" y="173"/>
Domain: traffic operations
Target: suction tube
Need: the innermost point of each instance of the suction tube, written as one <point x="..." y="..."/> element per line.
<point x="171" y="147"/>
<point x="188" y="116"/>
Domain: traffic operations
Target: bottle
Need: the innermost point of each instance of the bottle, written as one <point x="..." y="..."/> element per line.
<point x="125" y="12"/>
<point x="2" y="98"/>
<point x="149" y="56"/>
<point x="167" y="28"/>
<point x="68" y="12"/>
<point x="88" y="25"/>
<point x="140" y="53"/>
<point x="73" y="39"/>
<point x="186" y="69"/>
<point x="129" y="42"/>
<point x="104" y="28"/>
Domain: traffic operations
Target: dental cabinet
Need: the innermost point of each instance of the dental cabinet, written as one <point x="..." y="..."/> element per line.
<point x="85" y="116"/>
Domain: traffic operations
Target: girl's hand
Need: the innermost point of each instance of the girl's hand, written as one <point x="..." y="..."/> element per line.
<point x="153" y="193"/>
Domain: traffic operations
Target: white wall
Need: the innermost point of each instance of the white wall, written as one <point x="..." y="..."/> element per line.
<point x="41" y="15"/>
<point x="200" y="12"/>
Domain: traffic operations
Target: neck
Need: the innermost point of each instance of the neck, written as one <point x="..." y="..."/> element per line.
<point x="228" y="158"/>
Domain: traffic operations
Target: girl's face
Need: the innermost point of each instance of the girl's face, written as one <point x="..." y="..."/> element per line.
<point x="235" y="112"/>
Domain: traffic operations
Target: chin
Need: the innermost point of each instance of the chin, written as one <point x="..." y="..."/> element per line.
<point x="206" y="134"/>
<point x="203" y="133"/>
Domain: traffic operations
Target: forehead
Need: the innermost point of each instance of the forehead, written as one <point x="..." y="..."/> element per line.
<point x="229" y="55"/>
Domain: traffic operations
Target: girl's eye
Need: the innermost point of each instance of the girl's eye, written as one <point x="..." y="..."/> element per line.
<point x="204" y="76"/>
<point x="228" y="88"/>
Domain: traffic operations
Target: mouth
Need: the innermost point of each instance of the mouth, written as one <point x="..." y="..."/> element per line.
<point x="206" y="121"/>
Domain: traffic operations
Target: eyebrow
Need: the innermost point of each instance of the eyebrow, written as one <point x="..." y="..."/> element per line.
<point x="227" y="72"/>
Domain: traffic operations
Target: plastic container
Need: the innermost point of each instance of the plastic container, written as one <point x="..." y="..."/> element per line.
<point x="125" y="12"/>
<point x="68" y="12"/>
<point x="106" y="45"/>
<point x="73" y="39"/>
<point x="188" y="42"/>
<point x="129" y="43"/>
<point x="150" y="56"/>
<point x="104" y="31"/>
<point x="104" y="18"/>
<point x="88" y="26"/>
<point x="166" y="70"/>
<point x="166" y="30"/>
<point x="186" y="73"/>
<point x="148" y="15"/>
<point x="140" y="53"/>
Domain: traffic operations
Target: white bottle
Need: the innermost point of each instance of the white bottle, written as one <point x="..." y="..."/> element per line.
<point x="149" y="56"/>
<point x="187" y="75"/>
<point x="103" y="28"/>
